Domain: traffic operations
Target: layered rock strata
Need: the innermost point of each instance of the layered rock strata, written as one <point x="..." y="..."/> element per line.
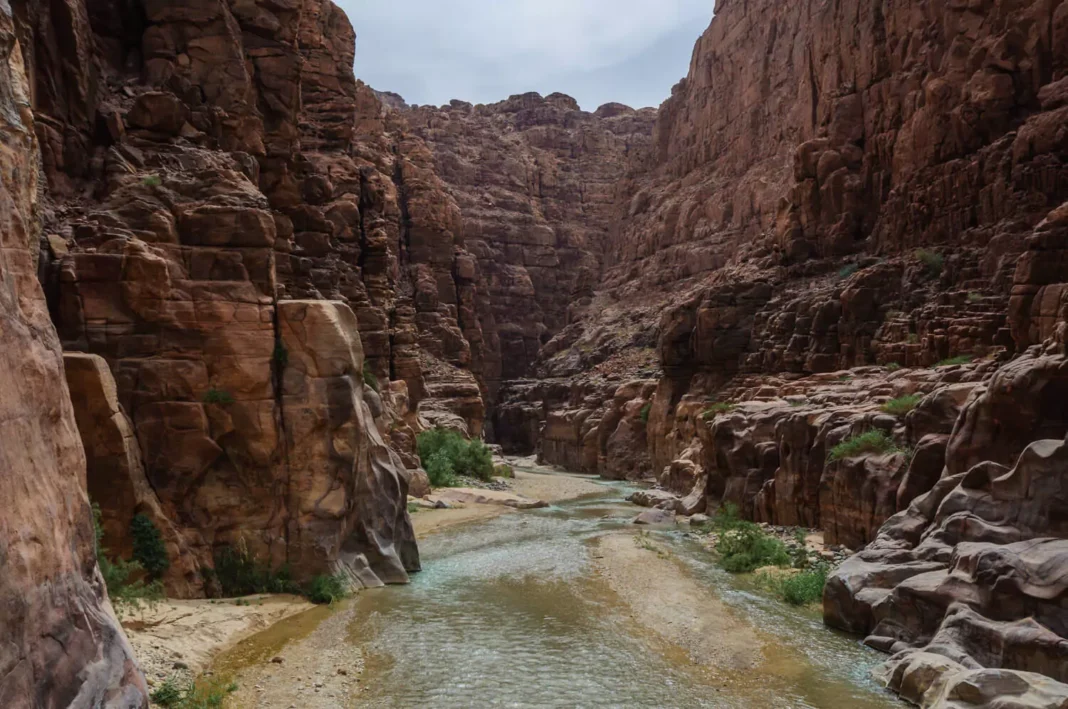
<point x="879" y="189"/>
<point x="536" y="181"/>
<point x="62" y="644"/>
<point x="206" y="164"/>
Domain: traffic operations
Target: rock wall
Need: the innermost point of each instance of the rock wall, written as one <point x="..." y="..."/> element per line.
<point x="536" y="181"/>
<point x="841" y="200"/>
<point x="287" y="273"/>
<point x="206" y="165"/>
<point x="62" y="644"/>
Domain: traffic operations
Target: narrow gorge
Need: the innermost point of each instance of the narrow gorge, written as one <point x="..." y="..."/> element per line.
<point x="824" y="286"/>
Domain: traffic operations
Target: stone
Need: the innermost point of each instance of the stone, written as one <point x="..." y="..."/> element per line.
<point x="290" y="275"/>
<point x="50" y="587"/>
<point x="655" y="516"/>
<point x="463" y="496"/>
<point x="115" y="476"/>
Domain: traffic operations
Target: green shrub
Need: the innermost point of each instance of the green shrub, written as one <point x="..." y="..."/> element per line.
<point x="798" y="403"/>
<point x="218" y="396"/>
<point x="239" y="574"/>
<point x="369" y="378"/>
<point x="875" y="441"/>
<point x="152" y="181"/>
<point x="446" y="453"/>
<point x="975" y="298"/>
<point x="169" y="694"/>
<point x="203" y="694"/>
<point x="125" y="594"/>
<point x="714" y="410"/>
<point x="848" y="270"/>
<point x="745" y="547"/>
<point x="893" y="367"/>
<point x="962" y="359"/>
<point x="413" y="507"/>
<point x="148" y="547"/>
<point x="902" y="405"/>
<point x="913" y="338"/>
<point x="728" y="517"/>
<point x="799" y="589"/>
<point x="931" y="260"/>
<point x="644" y="415"/>
<point x="503" y="471"/>
<point x="439" y="470"/>
<point x="325" y="589"/>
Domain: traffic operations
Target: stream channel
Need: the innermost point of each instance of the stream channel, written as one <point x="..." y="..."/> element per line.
<point x="514" y="612"/>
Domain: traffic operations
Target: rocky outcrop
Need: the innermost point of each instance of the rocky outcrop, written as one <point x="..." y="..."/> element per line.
<point x="234" y="164"/>
<point x="62" y="644"/>
<point x="347" y="491"/>
<point x="536" y="182"/>
<point x="973" y="570"/>
<point x="115" y="474"/>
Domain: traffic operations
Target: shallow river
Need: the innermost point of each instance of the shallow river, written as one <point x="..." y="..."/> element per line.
<point x="510" y="613"/>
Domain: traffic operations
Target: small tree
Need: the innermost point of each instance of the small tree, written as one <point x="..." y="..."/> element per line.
<point x="148" y="547"/>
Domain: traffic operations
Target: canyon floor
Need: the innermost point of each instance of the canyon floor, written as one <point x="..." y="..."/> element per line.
<point x="566" y="605"/>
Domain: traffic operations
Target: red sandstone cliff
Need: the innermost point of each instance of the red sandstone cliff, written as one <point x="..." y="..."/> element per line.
<point x="841" y="187"/>
<point x="62" y="644"/>
<point x="236" y="230"/>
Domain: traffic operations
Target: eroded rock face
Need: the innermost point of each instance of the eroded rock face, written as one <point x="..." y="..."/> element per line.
<point x="234" y="163"/>
<point x="535" y="179"/>
<point x="115" y="475"/>
<point x="348" y="491"/>
<point x="974" y="569"/>
<point x="62" y="644"/>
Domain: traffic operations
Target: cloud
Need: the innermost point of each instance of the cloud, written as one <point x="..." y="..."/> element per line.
<point x="484" y="50"/>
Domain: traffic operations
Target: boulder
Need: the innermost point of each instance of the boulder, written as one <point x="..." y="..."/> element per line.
<point x="655" y="516"/>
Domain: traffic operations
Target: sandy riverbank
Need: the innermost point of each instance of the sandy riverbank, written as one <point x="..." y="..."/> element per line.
<point x="544" y="485"/>
<point x="294" y="665"/>
<point x="670" y="602"/>
<point x="181" y="638"/>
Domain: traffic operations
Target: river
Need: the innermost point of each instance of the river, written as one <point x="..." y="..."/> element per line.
<point x="512" y="612"/>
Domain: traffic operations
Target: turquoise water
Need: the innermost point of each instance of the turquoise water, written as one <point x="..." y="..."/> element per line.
<point x="510" y="613"/>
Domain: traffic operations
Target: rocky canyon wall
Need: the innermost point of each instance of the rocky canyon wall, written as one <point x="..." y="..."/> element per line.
<point x="267" y="278"/>
<point x="62" y="644"/>
<point x="845" y="205"/>
<point x="831" y="186"/>
<point x="536" y="181"/>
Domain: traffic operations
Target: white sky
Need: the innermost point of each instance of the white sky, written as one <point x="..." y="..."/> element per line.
<point x="432" y="51"/>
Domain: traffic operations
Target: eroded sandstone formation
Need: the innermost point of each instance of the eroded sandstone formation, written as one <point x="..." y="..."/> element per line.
<point x="536" y="181"/>
<point x="206" y="164"/>
<point x="62" y="644"/>
<point x="274" y="277"/>
<point x="839" y="199"/>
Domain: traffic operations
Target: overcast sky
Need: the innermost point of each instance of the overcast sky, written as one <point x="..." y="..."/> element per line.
<point x="432" y="51"/>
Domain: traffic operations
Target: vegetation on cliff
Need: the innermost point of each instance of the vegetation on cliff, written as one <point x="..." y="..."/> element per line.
<point x="124" y="579"/>
<point x="868" y="442"/>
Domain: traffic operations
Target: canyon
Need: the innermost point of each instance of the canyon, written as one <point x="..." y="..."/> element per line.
<point x="237" y="283"/>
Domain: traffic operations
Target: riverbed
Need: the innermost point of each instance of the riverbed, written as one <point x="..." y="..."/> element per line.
<point x="565" y="606"/>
